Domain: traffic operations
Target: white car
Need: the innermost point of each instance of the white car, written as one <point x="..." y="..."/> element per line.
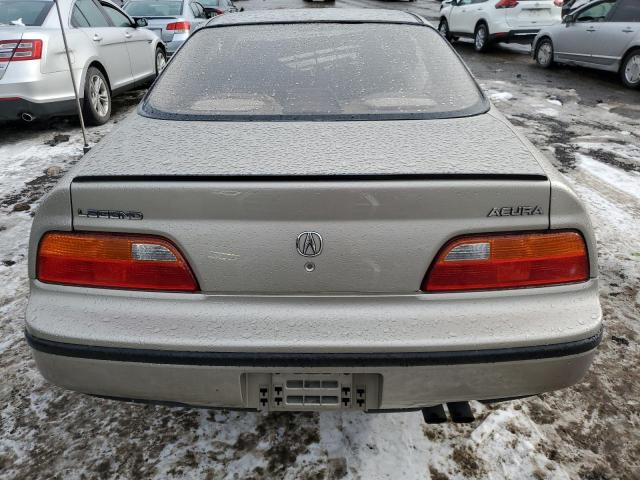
<point x="488" y="21"/>
<point x="110" y="53"/>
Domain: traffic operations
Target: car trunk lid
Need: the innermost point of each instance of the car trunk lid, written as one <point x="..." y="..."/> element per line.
<point x="284" y="236"/>
<point x="531" y="14"/>
<point x="158" y="25"/>
<point x="383" y="197"/>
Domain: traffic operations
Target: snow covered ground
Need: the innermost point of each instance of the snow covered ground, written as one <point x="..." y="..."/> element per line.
<point x="591" y="431"/>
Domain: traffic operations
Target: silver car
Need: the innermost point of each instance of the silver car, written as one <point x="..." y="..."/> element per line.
<point x="110" y="54"/>
<point x="604" y="34"/>
<point x="369" y="233"/>
<point x="172" y="20"/>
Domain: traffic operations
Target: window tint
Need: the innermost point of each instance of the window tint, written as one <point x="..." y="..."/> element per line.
<point x="118" y="18"/>
<point x="25" y="12"/>
<point x="78" y="20"/>
<point x="597" y="13"/>
<point x="306" y="70"/>
<point x="197" y="10"/>
<point x="91" y="13"/>
<point x="627" y="11"/>
<point x="154" y="8"/>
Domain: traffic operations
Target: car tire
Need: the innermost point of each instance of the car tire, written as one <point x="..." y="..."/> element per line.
<point x="161" y="60"/>
<point x="96" y="108"/>
<point x="443" y="28"/>
<point x="630" y="69"/>
<point x="481" y="38"/>
<point x="544" y="53"/>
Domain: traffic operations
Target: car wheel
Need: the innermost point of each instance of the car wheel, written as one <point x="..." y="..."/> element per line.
<point x="481" y="39"/>
<point x="97" y="98"/>
<point x="443" y="28"/>
<point x="630" y="70"/>
<point x="544" y="53"/>
<point x="161" y="60"/>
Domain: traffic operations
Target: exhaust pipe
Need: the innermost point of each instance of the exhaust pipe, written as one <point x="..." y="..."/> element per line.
<point x="27" y="117"/>
<point x="435" y="414"/>
<point x="460" y="412"/>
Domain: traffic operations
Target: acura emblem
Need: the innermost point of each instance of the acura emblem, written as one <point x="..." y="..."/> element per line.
<point x="309" y="244"/>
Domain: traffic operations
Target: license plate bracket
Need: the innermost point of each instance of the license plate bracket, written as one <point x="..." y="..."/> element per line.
<point x="313" y="391"/>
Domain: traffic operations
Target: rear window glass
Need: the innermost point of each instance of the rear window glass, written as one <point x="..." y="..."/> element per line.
<point x="290" y="71"/>
<point x="24" y="12"/>
<point x="153" y="8"/>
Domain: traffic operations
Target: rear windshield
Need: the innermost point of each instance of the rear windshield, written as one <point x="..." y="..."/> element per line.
<point x="315" y="70"/>
<point x="153" y="8"/>
<point x="24" y="12"/>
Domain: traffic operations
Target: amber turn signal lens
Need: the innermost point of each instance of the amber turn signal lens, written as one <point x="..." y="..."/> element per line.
<point x="112" y="260"/>
<point x="487" y="262"/>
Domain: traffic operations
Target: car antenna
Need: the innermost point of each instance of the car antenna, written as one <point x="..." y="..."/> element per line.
<point x="86" y="146"/>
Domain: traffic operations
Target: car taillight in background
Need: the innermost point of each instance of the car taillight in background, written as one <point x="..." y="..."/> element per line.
<point x="179" y="27"/>
<point x="498" y="261"/>
<point x="20" y="50"/>
<point x="217" y="11"/>
<point x="558" y="3"/>
<point x="113" y="260"/>
<point x="507" y="4"/>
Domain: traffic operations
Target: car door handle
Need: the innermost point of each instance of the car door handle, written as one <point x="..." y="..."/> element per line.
<point x="127" y="35"/>
<point x="628" y="30"/>
<point x="97" y="38"/>
<point x="591" y="29"/>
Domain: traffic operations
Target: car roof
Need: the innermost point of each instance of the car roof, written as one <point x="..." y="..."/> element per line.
<point x="311" y="15"/>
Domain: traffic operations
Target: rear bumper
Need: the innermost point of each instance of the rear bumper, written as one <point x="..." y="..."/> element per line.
<point x="13" y="108"/>
<point x="407" y="380"/>
<point x="208" y="350"/>
<point x="515" y="36"/>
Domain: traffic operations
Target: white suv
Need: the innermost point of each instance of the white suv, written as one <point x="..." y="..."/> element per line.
<point x="487" y="21"/>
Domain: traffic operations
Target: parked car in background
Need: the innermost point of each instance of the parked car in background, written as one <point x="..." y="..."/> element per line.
<point x="296" y="265"/>
<point x="172" y="20"/>
<point x="220" y="7"/>
<point x="489" y="21"/>
<point x="110" y="53"/>
<point x="603" y="34"/>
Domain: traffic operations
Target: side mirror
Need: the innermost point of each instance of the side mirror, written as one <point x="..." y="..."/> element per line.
<point x="569" y="18"/>
<point x="141" y="22"/>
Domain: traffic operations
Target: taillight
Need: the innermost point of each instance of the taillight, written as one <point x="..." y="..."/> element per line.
<point x="507" y="4"/>
<point x="487" y="262"/>
<point x="558" y="3"/>
<point x="217" y="11"/>
<point x="179" y="27"/>
<point x="113" y="261"/>
<point x="20" y="50"/>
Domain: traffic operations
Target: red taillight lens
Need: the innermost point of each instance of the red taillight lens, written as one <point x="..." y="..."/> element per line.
<point x="179" y="27"/>
<point x="486" y="262"/>
<point x="113" y="261"/>
<point x="558" y="3"/>
<point x="218" y="11"/>
<point x="20" y="50"/>
<point x="507" y="4"/>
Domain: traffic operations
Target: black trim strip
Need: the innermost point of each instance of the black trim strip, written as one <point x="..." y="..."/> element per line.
<point x="268" y="359"/>
<point x="307" y="178"/>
